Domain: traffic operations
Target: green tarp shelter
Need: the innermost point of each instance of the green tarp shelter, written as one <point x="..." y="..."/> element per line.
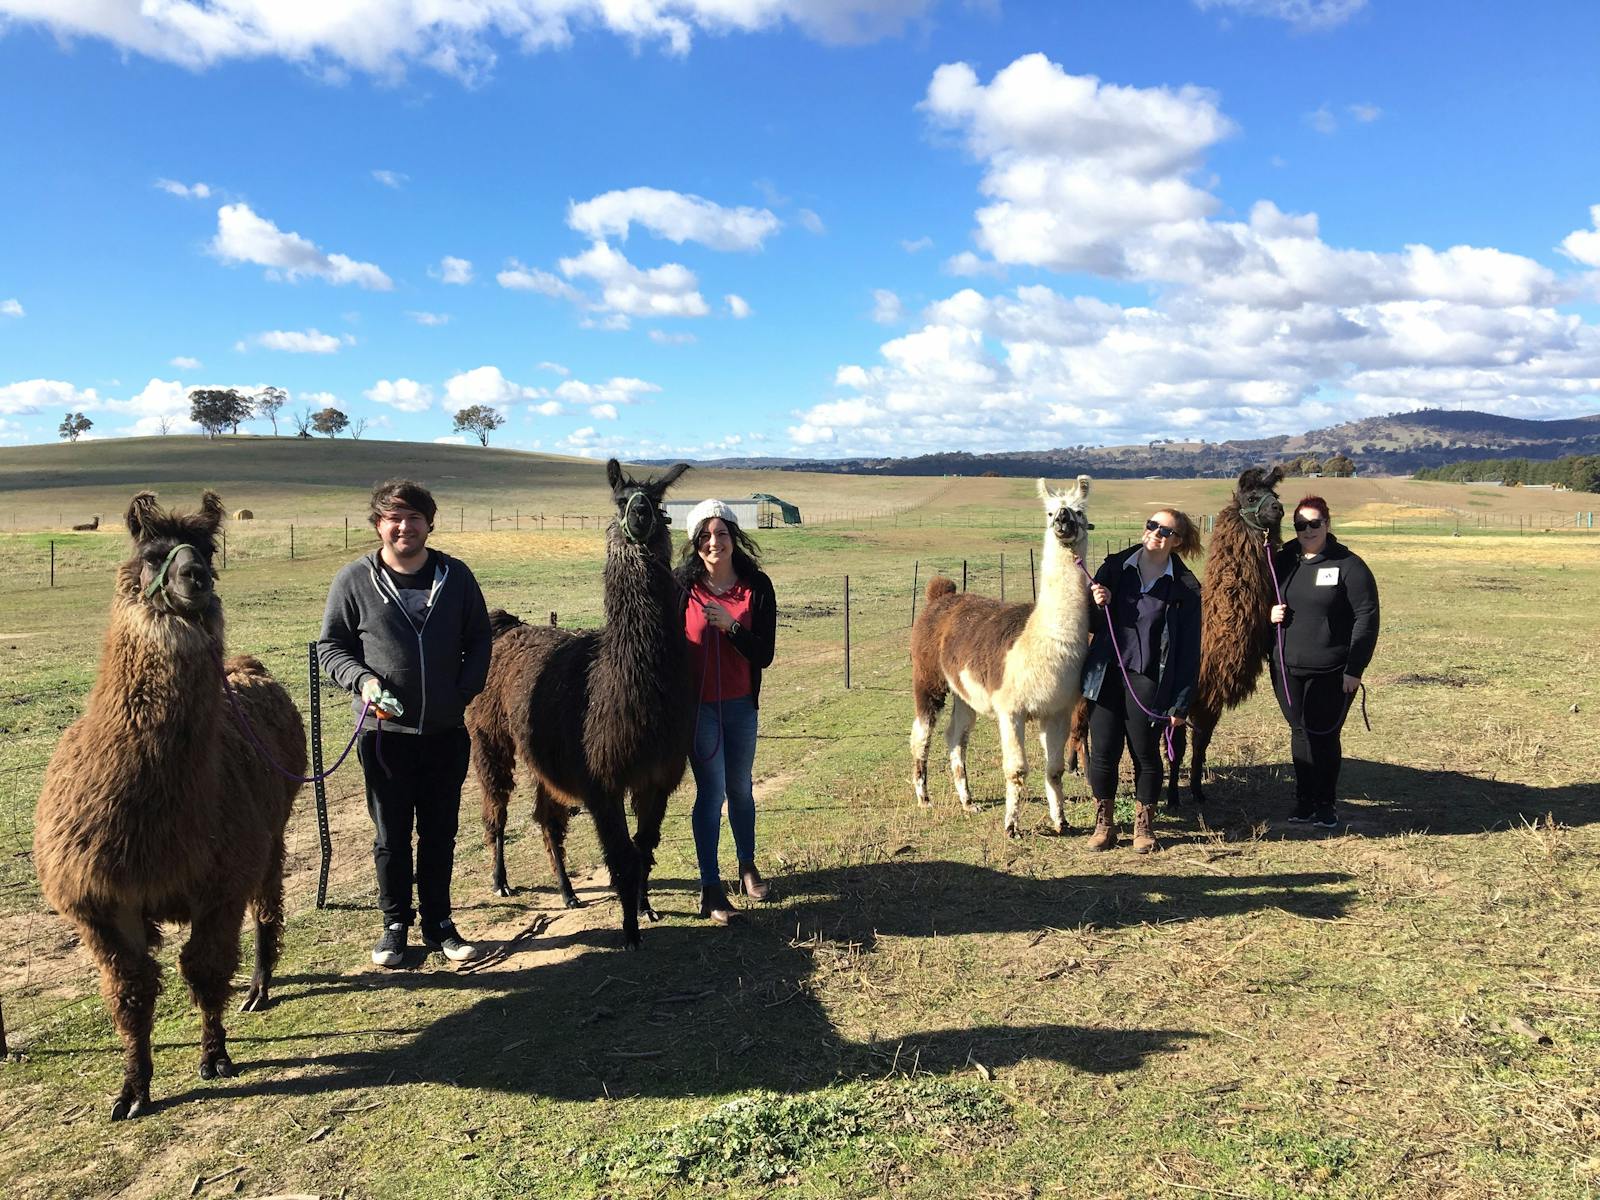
<point x="789" y="512"/>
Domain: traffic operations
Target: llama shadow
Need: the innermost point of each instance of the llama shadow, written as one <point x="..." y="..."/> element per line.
<point x="1387" y="799"/>
<point x="707" y="1011"/>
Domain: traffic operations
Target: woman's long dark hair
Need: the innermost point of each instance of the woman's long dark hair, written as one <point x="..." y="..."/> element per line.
<point x="746" y="554"/>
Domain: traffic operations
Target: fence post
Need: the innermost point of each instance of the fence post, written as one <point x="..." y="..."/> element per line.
<point x="491" y="518"/>
<point x="463" y="528"/>
<point x="963" y="574"/>
<point x="291" y="543"/>
<point x="52" y="562"/>
<point x="316" y="770"/>
<point x="1002" y="577"/>
<point x="552" y="618"/>
<point x="347" y="533"/>
<point x="224" y="549"/>
<point x="847" y="633"/>
<point x="1033" y="582"/>
<point x="915" y="567"/>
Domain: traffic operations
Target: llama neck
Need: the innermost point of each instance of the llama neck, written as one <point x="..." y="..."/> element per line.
<point x="159" y="674"/>
<point x="1236" y="554"/>
<point x="1061" y="588"/>
<point x="640" y="615"/>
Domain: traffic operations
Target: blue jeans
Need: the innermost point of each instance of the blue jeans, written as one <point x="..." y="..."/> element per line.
<point x="723" y="758"/>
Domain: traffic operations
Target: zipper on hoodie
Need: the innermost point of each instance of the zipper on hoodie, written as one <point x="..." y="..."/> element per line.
<point x="441" y="572"/>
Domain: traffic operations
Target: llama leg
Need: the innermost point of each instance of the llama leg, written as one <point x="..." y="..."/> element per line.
<point x="1078" y="739"/>
<point x="1014" y="757"/>
<point x="1201" y="741"/>
<point x="1180" y="745"/>
<point x="268" y="911"/>
<point x="955" y="737"/>
<point x="552" y="817"/>
<point x="494" y="764"/>
<point x="208" y="962"/>
<point x="622" y="860"/>
<point x="1052" y="739"/>
<point x="129" y="982"/>
<point x="928" y="697"/>
<point x="649" y="809"/>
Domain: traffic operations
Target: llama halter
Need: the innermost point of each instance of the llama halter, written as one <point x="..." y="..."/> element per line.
<point x="159" y="579"/>
<point x="1252" y="516"/>
<point x="627" y="513"/>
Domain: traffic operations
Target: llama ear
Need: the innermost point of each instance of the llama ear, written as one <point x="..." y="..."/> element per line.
<point x="614" y="474"/>
<point x="1044" y="489"/>
<point x="211" y="509"/>
<point x="1274" y="475"/>
<point x="674" y="473"/>
<point x="141" y="514"/>
<point x="1083" y="486"/>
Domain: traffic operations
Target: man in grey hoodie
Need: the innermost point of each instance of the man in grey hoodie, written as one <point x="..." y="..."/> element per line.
<point x="406" y="628"/>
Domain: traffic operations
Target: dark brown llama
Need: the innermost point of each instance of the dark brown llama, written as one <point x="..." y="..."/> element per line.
<point x="1236" y="616"/>
<point x="156" y="809"/>
<point x="595" y="714"/>
<point x="88" y="527"/>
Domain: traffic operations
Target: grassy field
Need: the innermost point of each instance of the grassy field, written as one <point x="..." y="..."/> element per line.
<point x="1408" y="1008"/>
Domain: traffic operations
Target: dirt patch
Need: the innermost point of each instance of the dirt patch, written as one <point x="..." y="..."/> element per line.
<point x="809" y="612"/>
<point x="1451" y="678"/>
<point x="1495" y="585"/>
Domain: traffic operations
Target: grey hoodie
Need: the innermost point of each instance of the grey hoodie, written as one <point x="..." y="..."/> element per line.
<point x="433" y="669"/>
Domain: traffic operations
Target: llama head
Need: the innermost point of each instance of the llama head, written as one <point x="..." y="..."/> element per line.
<point x="1064" y="509"/>
<point x="1257" y="497"/>
<point x="173" y="553"/>
<point x="640" y="517"/>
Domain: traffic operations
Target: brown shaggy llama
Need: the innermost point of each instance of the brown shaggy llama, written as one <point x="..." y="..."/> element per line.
<point x="1017" y="661"/>
<point x="156" y="809"/>
<point x="595" y="714"/>
<point x="88" y="526"/>
<point x="1235" y="616"/>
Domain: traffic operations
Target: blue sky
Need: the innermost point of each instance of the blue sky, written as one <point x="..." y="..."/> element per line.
<point x="820" y="227"/>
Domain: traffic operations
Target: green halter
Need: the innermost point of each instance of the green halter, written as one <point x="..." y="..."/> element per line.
<point x="627" y="511"/>
<point x="160" y="579"/>
<point x="1252" y="516"/>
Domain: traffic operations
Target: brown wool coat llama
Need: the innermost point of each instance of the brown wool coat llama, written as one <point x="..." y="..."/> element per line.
<point x="156" y="809"/>
<point x="1017" y="661"/>
<point x="598" y="714"/>
<point x="1236" y="601"/>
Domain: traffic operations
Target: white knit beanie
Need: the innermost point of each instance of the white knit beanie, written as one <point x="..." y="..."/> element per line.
<point x="707" y="509"/>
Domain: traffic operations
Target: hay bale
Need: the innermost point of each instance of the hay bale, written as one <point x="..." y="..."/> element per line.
<point x="243" y="514"/>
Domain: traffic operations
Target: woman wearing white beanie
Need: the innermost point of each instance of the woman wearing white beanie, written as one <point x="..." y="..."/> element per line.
<point x="730" y="618"/>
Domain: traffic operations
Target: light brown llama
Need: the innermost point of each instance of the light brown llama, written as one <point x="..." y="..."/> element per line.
<point x="156" y="809"/>
<point x="1017" y="661"/>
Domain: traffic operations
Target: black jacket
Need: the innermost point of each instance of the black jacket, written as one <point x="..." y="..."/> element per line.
<point x="1180" y="636"/>
<point x="1333" y="610"/>
<point x="435" y="670"/>
<point x="756" y="642"/>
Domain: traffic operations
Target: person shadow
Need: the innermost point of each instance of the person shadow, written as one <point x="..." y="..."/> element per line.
<point x="705" y="1011"/>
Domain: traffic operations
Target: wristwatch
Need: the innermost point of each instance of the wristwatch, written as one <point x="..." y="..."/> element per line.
<point x="733" y="628"/>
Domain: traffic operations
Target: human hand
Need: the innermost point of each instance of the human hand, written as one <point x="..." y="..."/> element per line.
<point x="1178" y="722"/>
<point x="1280" y="613"/>
<point x="385" y="703"/>
<point x="1101" y="593"/>
<point x="1352" y="684"/>
<point x="717" y="616"/>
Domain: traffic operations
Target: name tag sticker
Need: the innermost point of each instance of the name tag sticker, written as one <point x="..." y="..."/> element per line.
<point x="1327" y="576"/>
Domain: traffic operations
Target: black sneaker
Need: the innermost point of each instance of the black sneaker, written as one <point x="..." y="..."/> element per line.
<point x="391" y="947"/>
<point x="450" y="943"/>
<point x="1304" y="811"/>
<point x="1326" y="818"/>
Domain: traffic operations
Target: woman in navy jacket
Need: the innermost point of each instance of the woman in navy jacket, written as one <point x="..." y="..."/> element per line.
<point x="1153" y="601"/>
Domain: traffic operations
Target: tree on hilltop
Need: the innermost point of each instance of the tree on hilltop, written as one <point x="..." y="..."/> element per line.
<point x="329" y="421"/>
<point x="73" y="424"/>
<point x="216" y="409"/>
<point x="480" y="420"/>
<point x="1339" y="466"/>
<point x="268" y="401"/>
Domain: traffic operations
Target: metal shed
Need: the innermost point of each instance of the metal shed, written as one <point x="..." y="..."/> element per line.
<point x="746" y="512"/>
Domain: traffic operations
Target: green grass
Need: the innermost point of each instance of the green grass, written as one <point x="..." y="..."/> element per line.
<point x="930" y="1009"/>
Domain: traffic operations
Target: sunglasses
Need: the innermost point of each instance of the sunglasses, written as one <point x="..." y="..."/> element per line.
<point x="1300" y="526"/>
<point x="1161" y="531"/>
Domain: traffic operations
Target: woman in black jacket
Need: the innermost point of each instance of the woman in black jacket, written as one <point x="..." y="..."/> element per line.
<point x="1328" y="624"/>
<point x="730" y="619"/>
<point x="1152" y="601"/>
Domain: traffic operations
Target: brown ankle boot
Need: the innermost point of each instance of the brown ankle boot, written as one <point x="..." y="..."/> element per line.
<point x="751" y="884"/>
<point x="1144" y="834"/>
<point x="1104" y="836"/>
<point x="714" y="906"/>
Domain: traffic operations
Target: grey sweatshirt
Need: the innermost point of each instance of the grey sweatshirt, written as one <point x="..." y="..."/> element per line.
<point x="433" y="666"/>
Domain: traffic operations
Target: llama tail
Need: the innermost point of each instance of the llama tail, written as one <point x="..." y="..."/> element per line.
<point x="939" y="586"/>
<point x="502" y="622"/>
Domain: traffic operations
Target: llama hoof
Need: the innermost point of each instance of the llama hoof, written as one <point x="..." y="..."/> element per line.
<point x="256" y="999"/>
<point x="648" y="913"/>
<point x="969" y="806"/>
<point x="632" y="943"/>
<point x="1013" y="832"/>
<point x="570" y="900"/>
<point x="501" y="889"/>
<point x="220" y="1067"/>
<point x="128" y="1107"/>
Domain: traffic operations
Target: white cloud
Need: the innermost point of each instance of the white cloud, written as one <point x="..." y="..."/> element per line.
<point x="916" y="245"/>
<point x="517" y="277"/>
<point x="810" y="222"/>
<point x="429" y="318"/>
<point x="550" y="408"/>
<point x="738" y="306"/>
<point x="301" y="341"/>
<point x="385" y="37"/>
<point x="318" y="400"/>
<point x="1364" y="112"/>
<point x="670" y="290"/>
<point x="555" y="368"/>
<point x="662" y="338"/>
<point x="391" y="179"/>
<point x="184" y="363"/>
<point x="11" y="308"/>
<point x="886" y="307"/>
<point x="242" y="236"/>
<point x="604" y="412"/>
<point x="1305" y="15"/>
<point x="672" y="215"/>
<point x="452" y="270"/>
<point x="1583" y="245"/>
<point x="187" y="191"/>
<point x="406" y="395"/>
<point x="32" y="396"/>
<point x="1323" y="120"/>
<point x="619" y="389"/>
<point x="485" y="385"/>
<point x="450" y="439"/>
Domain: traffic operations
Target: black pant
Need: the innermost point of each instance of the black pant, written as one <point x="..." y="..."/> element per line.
<point x="422" y="784"/>
<point x="1316" y="719"/>
<point x="1112" y="725"/>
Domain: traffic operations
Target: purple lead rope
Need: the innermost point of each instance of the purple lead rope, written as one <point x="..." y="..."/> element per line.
<point x="250" y="736"/>
<point x="1127" y="683"/>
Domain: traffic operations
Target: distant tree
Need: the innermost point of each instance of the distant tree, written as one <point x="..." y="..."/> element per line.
<point x="164" y="424"/>
<point x="73" y="424"/>
<point x="1339" y="466"/>
<point x="329" y="421"/>
<point x="480" y="420"/>
<point x="216" y="409"/>
<point x="268" y="401"/>
<point x="302" y="422"/>
<point x="357" y="428"/>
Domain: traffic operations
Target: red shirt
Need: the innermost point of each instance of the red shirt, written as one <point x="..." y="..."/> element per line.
<point x="720" y="671"/>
